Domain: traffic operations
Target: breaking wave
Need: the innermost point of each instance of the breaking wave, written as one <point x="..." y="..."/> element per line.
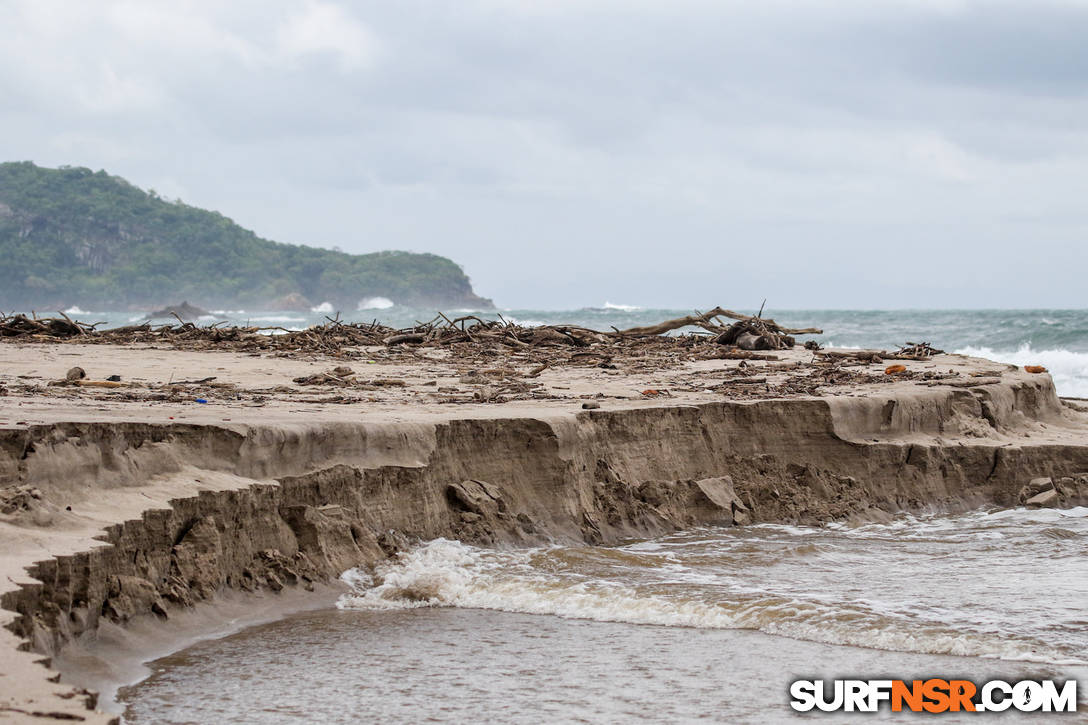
<point x="1069" y="369"/>
<point x="444" y="573"/>
<point x="375" y="303"/>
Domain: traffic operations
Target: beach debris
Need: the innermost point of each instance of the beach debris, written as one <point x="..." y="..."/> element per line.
<point x="21" y="326"/>
<point x="708" y="321"/>
<point x="202" y="401"/>
<point x="895" y="369"/>
<point x="734" y="354"/>
<point x="341" y="375"/>
<point x="754" y="335"/>
<point x="747" y="333"/>
<point x="943" y="379"/>
<point x="913" y="351"/>
<point x="408" y="337"/>
<point x="78" y="377"/>
<point x="1034" y="369"/>
<point x="910" y="351"/>
<point x="535" y="372"/>
<point x="500" y="360"/>
<point x="851" y="357"/>
<point x="334" y="335"/>
<point x="745" y="381"/>
<point x="114" y="379"/>
<point x="590" y="405"/>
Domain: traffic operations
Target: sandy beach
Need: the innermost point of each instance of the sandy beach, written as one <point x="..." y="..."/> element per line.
<point x="542" y="362"/>
<point x="203" y="472"/>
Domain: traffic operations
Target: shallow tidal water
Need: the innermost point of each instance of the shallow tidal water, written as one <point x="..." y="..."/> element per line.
<point x="705" y="625"/>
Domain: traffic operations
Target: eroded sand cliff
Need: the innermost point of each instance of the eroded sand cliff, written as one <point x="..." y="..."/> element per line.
<point x="122" y="512"/>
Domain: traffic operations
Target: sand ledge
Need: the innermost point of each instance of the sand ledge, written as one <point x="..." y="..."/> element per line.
<point x="184" y="511"/>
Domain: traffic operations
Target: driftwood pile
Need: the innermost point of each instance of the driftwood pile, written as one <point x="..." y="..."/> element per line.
<point x="744" y="334"/>
<point x="916" y="351"/>
<point x="747" y="333"/>
<point x="51" y="327"/>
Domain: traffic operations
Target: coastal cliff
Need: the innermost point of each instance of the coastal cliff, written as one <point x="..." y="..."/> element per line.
<point x="144" y="519"/>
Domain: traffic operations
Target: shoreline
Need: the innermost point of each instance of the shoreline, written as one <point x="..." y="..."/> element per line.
<point x="284" y="493"/>
<point x="118" y="656"/>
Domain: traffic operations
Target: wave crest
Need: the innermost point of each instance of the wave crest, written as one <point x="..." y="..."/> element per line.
<point x="375" y="303"/>
<point x="1069" y="369"/>
<point x="444" y="573"/>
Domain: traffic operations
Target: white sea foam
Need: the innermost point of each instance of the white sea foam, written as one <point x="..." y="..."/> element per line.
<point x="523" y="322"/>
<point x="621" y="308"/>
<point x="324" y="308"/>
<point x="375" y="303"/>
<point x="75" y="310"/>
<point x="450" y="574"/>
<point x="445" y="573"/>
<point x="1069" y="369"/>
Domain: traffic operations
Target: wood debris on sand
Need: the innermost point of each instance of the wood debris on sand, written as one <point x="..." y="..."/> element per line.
<point x="486" y="360"/>
<point x="334" y="336"/>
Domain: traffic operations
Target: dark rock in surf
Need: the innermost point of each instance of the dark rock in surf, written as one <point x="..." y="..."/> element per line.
<point x="185" y="311"/>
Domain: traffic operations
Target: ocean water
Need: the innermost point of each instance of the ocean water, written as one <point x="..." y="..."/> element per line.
<point x="707" y="625"/>
<point x="1056" y="339"/>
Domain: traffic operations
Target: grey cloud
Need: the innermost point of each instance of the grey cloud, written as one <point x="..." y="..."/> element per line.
<point x="568" y="153"/>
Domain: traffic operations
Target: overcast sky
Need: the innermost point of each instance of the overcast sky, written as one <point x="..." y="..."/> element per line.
<point x="673" y="153"/>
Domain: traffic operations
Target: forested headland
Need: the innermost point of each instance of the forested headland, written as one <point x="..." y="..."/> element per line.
<point x="75" y="236"/>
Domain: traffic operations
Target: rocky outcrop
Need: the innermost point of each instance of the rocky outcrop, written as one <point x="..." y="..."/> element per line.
<point x="310" y="501"/>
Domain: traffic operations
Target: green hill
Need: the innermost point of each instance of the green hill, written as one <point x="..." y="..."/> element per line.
<point x="73" y="236"/>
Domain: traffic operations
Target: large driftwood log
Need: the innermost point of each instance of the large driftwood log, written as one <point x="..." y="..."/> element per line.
<point x="707" y="322"/>
<point x="409" y="337"/>
<point x="704" y="321"/>
<point x="754" y="335"/>
<point x="769" y="323"/>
